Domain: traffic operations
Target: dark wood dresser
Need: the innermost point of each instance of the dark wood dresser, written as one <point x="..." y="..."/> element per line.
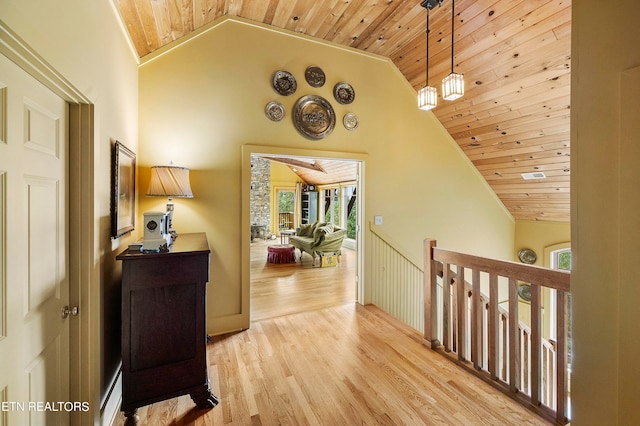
<point x="163" y="325"/>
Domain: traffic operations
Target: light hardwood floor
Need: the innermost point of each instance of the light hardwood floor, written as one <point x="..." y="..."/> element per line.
<point x="332" y="363"/>
<point x="285" y="289"/>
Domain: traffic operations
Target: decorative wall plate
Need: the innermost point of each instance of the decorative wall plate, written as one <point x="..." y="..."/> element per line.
<point x="274" y="110"/>
<point x="344" y="93"/>
<point x="524" y="291"/>
<point x="314" y="76"/>
<point x="284" y="83"/>
<point x="527" y="256"/>
<point x="313" y="116"/>
<point x="350" y="121"/>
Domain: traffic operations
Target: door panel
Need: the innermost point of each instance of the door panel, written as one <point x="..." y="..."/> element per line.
<point x="34" y="347"/>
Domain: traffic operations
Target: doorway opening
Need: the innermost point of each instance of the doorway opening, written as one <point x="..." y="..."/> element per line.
<point x="292" y="287"/>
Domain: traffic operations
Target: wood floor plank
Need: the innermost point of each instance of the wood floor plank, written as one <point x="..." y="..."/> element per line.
<point x="331" y="362"/>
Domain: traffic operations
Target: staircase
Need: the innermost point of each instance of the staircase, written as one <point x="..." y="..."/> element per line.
<point x="464" y="320"/>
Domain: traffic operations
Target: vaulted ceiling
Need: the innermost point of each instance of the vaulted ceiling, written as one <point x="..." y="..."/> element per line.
<point x="514" y="54"/>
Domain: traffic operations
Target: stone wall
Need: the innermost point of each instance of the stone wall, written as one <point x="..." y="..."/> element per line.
<point x="260" y="197"/>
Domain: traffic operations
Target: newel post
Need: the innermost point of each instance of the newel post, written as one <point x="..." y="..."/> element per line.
<point x="430" y="295"/>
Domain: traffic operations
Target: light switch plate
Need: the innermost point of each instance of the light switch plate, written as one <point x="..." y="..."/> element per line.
<point x="378" y="220"/>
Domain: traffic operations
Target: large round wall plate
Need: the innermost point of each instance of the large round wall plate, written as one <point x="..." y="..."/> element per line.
<point x="313" y="116"/>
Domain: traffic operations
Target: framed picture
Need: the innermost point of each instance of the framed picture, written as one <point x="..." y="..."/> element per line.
<point x="123" y="191"/>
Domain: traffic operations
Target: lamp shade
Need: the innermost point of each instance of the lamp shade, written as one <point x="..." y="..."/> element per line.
<point x="170" y="181"/>
<point x="427" y="98"/>
<point x="452" y="86"/>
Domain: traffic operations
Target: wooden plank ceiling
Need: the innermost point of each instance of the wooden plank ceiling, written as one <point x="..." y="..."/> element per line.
<point x="514" y="54"/>
<point x="320" y="171"/>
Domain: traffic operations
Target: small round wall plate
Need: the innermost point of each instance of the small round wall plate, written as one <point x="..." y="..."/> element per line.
<point x="313" y="117"/>
<point x="314" y="76"/>
<point x="350" y="121"/>
<point x="524" y="291"/>
<point x="344" y="93"/>
<point x="275" y="111"/>
<point x="527" y="256"/>
<point x="284" y="83"/>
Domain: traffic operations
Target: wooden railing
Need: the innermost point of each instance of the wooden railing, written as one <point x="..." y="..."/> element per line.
<point x="467" y="325"/>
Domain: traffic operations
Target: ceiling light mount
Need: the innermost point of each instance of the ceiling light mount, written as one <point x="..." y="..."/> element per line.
<point x="430" y="4"/>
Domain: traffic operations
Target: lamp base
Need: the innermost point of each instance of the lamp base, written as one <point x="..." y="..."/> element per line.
<point x="155" y="245"/>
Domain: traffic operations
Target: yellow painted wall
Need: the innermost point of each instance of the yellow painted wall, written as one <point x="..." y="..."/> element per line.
<point x="84" y="41"/>
<point x="605" y="172"/>
<point x="539" y="236"/>
<point x="536" y="235"/>
<point x="203" y="101"/>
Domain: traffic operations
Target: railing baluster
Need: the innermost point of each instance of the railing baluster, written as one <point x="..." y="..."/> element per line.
<point x="493" y="326"/>
<point x="430" y="295"/>
<point x="561" y="357"/>
<point x="462" y="314"/>
<point x="536" y="335"/>
<point x="514" y="338"/>
<point x="476" y="321"/>
<point x="446" y="307"/>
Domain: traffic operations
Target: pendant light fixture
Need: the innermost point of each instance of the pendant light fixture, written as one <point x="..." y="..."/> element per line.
<point x="453" y="84"/>
<point x="428" y="95"/>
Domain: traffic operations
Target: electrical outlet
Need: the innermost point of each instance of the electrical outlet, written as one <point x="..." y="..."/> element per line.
<point x="378" y="220"/>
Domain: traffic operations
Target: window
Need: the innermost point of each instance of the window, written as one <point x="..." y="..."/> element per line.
<point x="558" y="259"/>
<point x="350" y="211"/>
<point x="286" y="203"/>
<point x="331" y="203"/>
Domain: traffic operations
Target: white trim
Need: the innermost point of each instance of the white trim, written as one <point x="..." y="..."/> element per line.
<point x="84" y="365"/>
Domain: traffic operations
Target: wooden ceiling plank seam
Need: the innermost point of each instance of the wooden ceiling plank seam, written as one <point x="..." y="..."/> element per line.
<point x="343" y="31"/>
<point x="131" y="18"/>
<point x="511" y="99"/>
<point x="506" y="134"/>
<point x="513" y="37"/>
<point x="408" y="27"/>
<point x="518" y="169"/>
<point x="481" y="99"/>
<point x="539" y="153"/>
<point x="283" y="12"/>
<point x="163" y="20"/>
<point x="385" y="22"/>
<point x="322" y="10"/>
<point x="325" y="31"/>
<point x="149" y="26"/>
<point x="509" y="122"/>
<point x="270" y="12"/>
<point x="516" y="150"/>
<point x="532" y="78"/>
<point x="304" y="14"/>
<point x="234" y="7"/>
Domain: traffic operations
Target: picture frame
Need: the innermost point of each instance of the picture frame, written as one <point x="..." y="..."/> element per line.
<point x="123" y="191"/>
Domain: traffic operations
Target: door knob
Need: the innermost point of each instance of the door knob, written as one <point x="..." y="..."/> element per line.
<point x="66" y="311"/>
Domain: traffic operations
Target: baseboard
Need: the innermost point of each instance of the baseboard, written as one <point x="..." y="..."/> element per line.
<point x="111" y="404"/>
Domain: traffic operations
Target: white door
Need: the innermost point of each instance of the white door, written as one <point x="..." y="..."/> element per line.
<point x="34" y="286"/>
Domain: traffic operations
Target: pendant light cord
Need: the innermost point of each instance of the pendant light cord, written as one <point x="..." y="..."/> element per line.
<point x="453" y="16"/>
<point x="427" y="40"/>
